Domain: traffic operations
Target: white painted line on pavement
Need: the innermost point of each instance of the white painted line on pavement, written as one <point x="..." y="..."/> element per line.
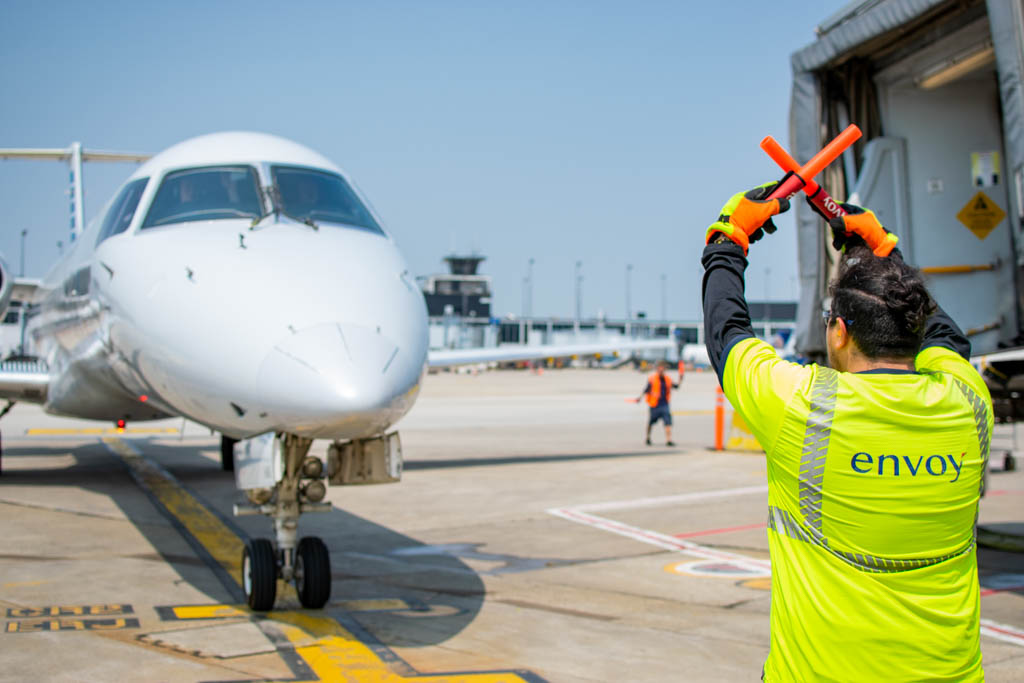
<point x="1002" y="632"/>
<point x="756" y="567"/>
<point x="661" y="501"/>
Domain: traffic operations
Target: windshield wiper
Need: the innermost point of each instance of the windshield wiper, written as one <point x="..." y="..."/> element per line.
<point x="307" y="221"/>
<point x="273" y="193"/>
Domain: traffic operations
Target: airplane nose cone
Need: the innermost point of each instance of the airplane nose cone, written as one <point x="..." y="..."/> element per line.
<point x="339" y="381"/>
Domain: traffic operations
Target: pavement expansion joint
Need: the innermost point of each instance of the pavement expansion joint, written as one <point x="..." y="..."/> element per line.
<point x="65" y="511"/>
<point x="525" y="604"/>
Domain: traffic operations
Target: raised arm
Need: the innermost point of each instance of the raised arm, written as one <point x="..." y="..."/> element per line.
<point x="726" y="317"/>
<point x="744" y="219"/>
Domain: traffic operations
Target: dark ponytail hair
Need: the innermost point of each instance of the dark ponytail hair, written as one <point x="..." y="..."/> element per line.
<point x="884" y="302"/>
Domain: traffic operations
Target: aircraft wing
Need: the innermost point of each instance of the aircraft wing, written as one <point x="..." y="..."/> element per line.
<point x="513" y="352"/>
<point x="24" y="381"/>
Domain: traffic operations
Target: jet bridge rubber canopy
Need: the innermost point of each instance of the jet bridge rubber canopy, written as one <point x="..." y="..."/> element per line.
<point x="936" y="85"/>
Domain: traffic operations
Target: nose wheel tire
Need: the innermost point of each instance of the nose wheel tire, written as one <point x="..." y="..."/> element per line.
<point x="312" y="572"/>
<point x="259" y="574"/>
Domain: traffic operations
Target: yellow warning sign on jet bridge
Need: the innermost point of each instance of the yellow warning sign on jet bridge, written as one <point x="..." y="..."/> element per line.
<point x="981" y="215"/>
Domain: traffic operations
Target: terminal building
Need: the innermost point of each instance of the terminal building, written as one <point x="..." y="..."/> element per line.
<point x="459" y="308"/>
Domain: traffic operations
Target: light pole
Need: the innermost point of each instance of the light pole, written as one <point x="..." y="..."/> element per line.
<point x="629" y="306"/>
<point x="524" y="297"/>
<point x="529" y="288"/>
<point x="664" y="314"/>
<point x="579" y="292"/>
<point x="60" y="248"/>
<point x="23" y="233"/>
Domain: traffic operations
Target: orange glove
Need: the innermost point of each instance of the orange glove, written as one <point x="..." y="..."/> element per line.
<point x="860" y="226"/>
<point x="747" y="216"/>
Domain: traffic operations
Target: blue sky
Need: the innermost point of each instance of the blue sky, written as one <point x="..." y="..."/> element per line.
<point x="605" y="132"/>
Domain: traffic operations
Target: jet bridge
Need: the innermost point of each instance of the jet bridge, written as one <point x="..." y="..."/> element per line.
<point x="936" y="87"/>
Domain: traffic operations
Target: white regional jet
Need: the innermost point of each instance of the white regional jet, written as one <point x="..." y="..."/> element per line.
<point x="239" y="280"/>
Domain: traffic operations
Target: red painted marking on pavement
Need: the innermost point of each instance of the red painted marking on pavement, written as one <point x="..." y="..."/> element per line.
<point x="661" y="540"/>
<point x="1002" y="631"/>
<point x="710" y="532"/>
<point x="990" y="591"/>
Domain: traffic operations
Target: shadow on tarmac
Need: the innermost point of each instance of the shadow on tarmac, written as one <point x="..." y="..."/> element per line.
<point x="437" y="464"/>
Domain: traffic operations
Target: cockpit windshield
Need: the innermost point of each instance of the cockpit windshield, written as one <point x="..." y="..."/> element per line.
<point x="321" y="197"/>
<point x="203" y="194"/>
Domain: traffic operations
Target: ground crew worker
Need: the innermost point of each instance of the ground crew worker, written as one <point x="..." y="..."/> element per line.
<point x="659" y="394"/>
<point x="874" y="465"/>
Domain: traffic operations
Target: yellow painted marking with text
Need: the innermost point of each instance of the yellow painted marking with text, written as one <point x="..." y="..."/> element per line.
<point x="210" y="612"/>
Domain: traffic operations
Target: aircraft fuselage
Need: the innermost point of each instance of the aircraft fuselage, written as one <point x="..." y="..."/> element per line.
<point x="314" y="328"/>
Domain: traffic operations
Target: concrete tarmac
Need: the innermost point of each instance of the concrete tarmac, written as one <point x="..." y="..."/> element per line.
<point x="534" y="537"/>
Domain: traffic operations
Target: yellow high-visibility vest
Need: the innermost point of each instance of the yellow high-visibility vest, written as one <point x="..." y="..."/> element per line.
<point x="874" y="481"/>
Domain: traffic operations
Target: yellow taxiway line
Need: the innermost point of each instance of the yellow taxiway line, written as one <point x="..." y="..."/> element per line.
<point x="334" y="654"/>
<point x="221" y="542"/>
<point x="99" y="431"/>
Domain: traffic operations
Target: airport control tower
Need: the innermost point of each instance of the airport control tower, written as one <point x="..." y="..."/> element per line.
<point x="462" y="288"/>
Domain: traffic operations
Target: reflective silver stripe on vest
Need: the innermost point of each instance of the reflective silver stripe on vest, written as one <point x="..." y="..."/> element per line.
<point x="980" y="422"/>
<point x="816" y="437"/>
<point x="782" y="522"/>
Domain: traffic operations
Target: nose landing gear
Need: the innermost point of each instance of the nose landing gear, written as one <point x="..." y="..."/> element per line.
<point x="305" y="562"/>
<point x="281" y="480"/>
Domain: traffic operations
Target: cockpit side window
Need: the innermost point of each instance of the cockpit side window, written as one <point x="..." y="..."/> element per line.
<point x="122" y="210"/>
<point x="203" y="194"/>
<point x="322" y="197"/>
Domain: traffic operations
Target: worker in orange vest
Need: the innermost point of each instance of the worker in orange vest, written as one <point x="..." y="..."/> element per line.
<point x="658" y="393"/>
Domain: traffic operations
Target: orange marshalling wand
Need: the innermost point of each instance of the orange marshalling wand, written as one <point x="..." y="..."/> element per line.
<point x="803" y="176"/>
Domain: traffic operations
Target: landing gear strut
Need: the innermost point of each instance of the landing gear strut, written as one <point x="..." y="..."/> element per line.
<point x="304" y="561"/>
